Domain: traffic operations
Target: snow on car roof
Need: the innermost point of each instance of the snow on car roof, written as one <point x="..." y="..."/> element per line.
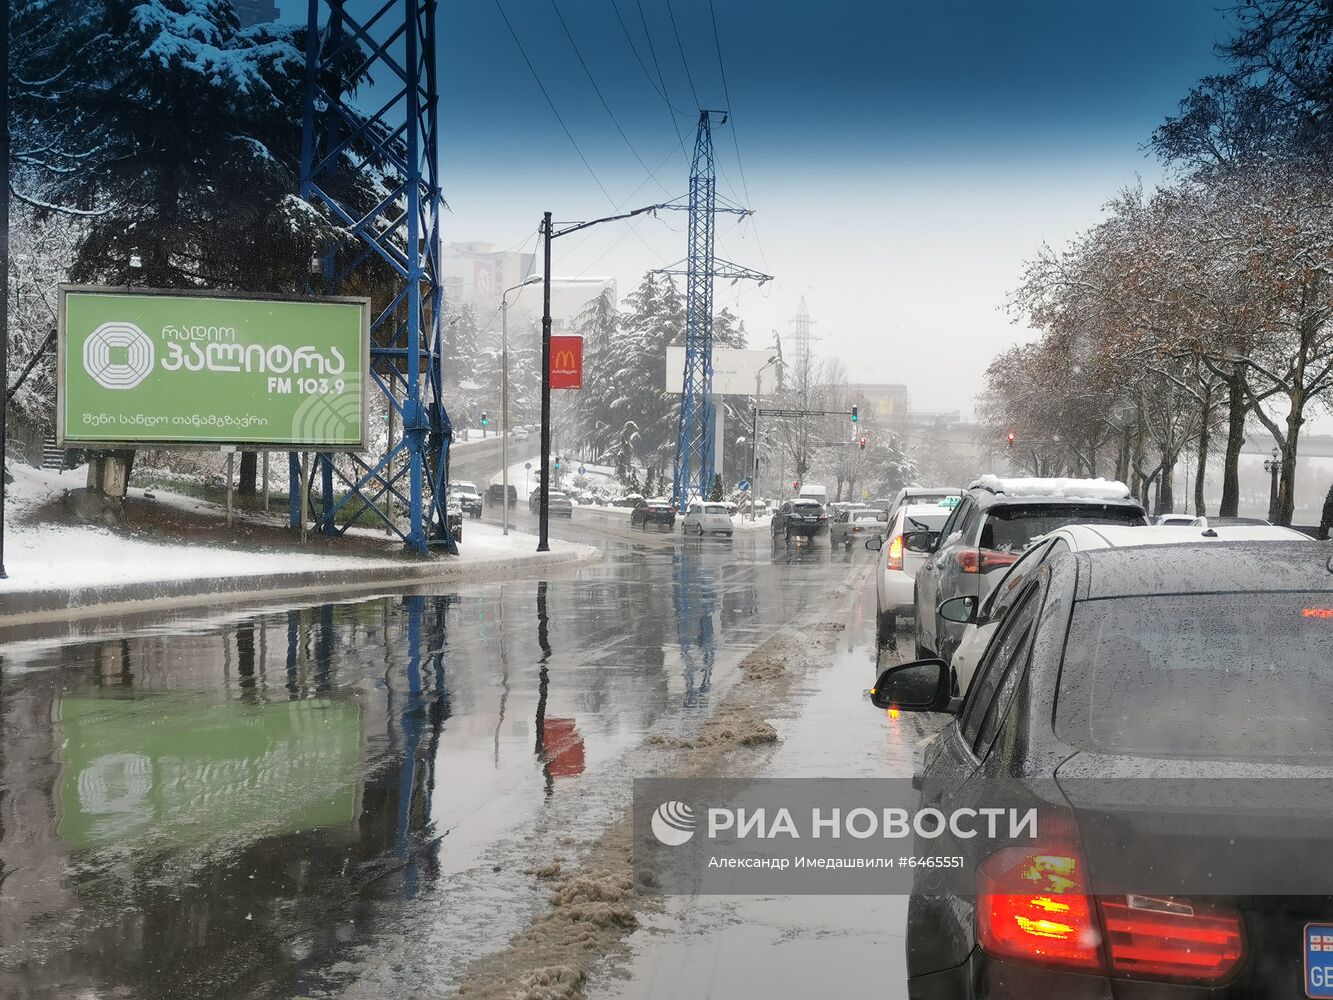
<point x="1083" y="489"/>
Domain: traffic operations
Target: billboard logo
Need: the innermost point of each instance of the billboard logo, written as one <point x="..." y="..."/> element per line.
<point x="118" y="355"/>
<point x="673" y="823"/>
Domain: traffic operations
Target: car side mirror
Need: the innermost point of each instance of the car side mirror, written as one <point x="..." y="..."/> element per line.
<point x="882" y="516"/>
<point x="961" y="610"/>
<point x="875" y="544"/>
<point x="921" y="541"/>
<point x="920" y="686"/>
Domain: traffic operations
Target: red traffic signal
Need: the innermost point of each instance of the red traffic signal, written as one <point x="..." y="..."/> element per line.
<point x="796" y="485"/>
<point x="1011" y="439"/>
<point x="863" y="444"/>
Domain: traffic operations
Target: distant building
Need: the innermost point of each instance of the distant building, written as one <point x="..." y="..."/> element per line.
<point x="475" y="274"/>
<point x="253" y="12"/>
<point x="882" y="404"/>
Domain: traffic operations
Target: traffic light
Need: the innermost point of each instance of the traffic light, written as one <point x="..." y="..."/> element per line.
<point x="1011" y="439"/>
<point x="557" y="463"/>
<point x="863" y="444"/>
<point x="856" y="415"/>
<point x="795" y="486"/>
<point x="484" y="420"/>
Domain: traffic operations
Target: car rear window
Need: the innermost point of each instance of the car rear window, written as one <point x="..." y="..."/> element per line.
<point x="867" y="515"/>
<point x="1010" y="527"/>
<point x="715" y="509"/>
<point x="805" y="506"/>
<point x="1200" y="675"/>
<point x="932" y="521"/>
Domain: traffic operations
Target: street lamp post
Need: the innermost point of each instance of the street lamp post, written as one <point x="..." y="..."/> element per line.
<point x="548" y="234"/>
<point x="1273" y="466"/>
<point x="754" y="436"/>
<point x="531" y="279"/>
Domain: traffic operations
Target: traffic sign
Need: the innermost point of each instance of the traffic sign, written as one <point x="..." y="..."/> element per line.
<point x="744" y="484"/>
<point x="582" y="471"/>
<point x="527" y="465"/>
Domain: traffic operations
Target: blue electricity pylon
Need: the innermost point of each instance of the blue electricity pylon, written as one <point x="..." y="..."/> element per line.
<point x="392" y="45"/>
<point x="694" y="434"/>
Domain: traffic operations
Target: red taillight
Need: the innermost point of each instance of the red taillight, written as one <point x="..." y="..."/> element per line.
<point x="895" y="558"/>
<point x="1171" y="939"/>
<point x="1033" y="905"/>
<point x="984" y="560"/>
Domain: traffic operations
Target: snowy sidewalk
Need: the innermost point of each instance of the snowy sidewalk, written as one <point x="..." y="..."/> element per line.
<point x="61" y="570"/>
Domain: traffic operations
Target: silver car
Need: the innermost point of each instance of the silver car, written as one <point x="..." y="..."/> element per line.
<point x="856" y="523"/>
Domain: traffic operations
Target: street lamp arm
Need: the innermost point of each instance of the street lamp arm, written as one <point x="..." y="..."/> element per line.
<point x="575" y="227"/>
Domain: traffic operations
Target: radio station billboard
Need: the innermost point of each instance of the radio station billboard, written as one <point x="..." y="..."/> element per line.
<point x="141" y="367"/>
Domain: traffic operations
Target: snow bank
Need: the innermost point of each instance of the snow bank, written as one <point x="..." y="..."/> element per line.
<point x="1081" y="489"/>
<point x="42" y="556"/>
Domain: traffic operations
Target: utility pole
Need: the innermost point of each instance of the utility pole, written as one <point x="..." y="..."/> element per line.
<point x="548" y="234"/>
<point x="4" y="299"/>
<point x="695" y="457"/>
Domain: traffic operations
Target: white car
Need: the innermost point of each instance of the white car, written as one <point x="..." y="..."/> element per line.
<point x="519" y="434"/>
<point x="706" y="519"/>
<point x="895" y="572"/>
<point x="1078" y="538"/>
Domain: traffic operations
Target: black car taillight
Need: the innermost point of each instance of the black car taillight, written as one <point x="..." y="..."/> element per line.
<point x="1033" y="904"/>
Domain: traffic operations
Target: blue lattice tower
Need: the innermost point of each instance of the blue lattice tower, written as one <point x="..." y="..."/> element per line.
<point x="393" y="44"/>
<point x="694" y="435"/>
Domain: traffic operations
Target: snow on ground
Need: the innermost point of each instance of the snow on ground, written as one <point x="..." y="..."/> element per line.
<point x="44" y="556"/>
<point x="1082" y="489"/>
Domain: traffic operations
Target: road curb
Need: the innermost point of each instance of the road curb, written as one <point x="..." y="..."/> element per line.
<point x="37" y="607"/>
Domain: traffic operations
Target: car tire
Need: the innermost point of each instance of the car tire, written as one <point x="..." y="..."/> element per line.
<point x="700" y="530"/>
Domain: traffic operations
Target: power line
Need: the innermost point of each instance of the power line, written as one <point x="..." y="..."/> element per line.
<point x="726" y="94"/>
<point x="652" y="50"/>
<point x="685" y="62"/>
<point x="601" y="97"/>
<point x="540" y="86"/>
<point x="735" y="140"/>
<point x="644" y="66"/>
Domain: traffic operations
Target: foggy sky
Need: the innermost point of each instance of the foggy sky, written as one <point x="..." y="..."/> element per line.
<point x="902" y="159"/>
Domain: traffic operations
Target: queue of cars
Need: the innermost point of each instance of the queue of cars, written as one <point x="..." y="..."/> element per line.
<point x="1118" y="678"/>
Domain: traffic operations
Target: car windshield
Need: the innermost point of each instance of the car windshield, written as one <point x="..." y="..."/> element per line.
<point x="1010" y="527"/>
<point x="1200" y="675"/>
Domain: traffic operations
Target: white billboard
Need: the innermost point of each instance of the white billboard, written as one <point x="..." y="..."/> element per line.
<point x="733" y="371"/>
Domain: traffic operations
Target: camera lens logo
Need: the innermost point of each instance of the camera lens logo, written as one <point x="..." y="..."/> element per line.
<point x="118" y="355"/>
<point x="673" y="823"/>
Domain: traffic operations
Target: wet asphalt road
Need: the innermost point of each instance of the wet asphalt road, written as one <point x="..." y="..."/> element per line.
<point x="341" y="799"/>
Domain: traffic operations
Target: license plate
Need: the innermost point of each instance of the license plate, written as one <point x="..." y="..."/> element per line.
<point x="1318" y="950"/>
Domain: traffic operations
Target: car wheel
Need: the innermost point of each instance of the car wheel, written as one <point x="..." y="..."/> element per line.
<point x="700" y="530"/>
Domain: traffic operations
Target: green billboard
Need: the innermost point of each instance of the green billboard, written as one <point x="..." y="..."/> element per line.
<point x="139" y="367"/>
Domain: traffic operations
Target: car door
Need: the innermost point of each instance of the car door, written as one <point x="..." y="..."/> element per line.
<point x="940" y="923"/>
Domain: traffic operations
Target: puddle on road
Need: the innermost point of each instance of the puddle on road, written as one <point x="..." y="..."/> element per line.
<point x="346" y="799"/>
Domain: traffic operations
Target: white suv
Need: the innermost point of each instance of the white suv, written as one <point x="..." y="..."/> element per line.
<point x="895" y="574"/>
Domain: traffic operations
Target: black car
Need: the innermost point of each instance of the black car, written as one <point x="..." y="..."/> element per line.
<point x="1123" y="697"/>
<point x="799" y="519"/>
<point x="495" y="494"/>
<point x="647" y="512"/>
<point x="557" y="504"/>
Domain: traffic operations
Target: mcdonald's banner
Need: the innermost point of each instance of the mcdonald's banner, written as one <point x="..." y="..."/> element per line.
<point x="566" y="362"/>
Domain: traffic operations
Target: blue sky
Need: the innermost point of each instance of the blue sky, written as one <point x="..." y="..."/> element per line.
<point x="902" y="158"/>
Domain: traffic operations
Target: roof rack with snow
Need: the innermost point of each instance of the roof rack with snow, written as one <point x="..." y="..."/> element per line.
<point x="1083" y="489"/>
